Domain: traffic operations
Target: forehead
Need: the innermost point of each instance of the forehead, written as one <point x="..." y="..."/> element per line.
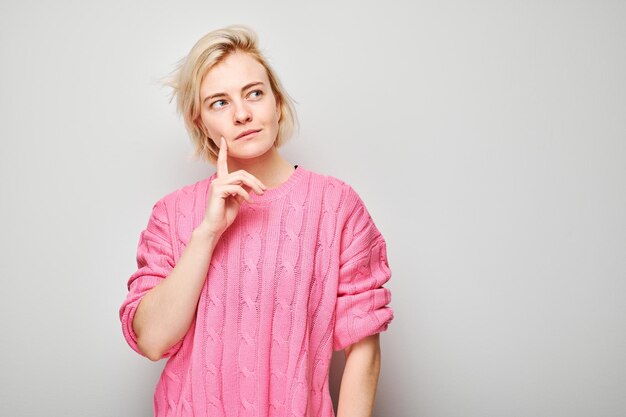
<point x="230" y="75"/>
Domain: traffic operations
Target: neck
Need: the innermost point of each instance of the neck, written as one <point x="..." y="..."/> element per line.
<point x="271" y="168"/>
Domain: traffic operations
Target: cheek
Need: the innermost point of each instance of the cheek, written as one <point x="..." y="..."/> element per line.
<point x="271" y="115"/>
<point x="212" y="126"/>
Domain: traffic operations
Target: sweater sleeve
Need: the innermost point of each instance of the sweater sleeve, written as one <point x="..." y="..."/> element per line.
<point x="155" y="261"/>
<point x="361" y="309"/>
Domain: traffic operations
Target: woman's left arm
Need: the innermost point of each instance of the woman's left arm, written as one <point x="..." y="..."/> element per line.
<point x="360" y="378"/>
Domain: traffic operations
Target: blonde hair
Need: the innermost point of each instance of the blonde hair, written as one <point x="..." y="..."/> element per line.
<point x="209" y="51"/>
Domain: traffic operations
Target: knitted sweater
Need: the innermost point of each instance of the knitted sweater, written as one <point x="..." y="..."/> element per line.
<point x="297" y="275"/>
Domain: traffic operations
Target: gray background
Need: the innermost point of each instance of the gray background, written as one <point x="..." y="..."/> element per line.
<point x="488" y="140"/>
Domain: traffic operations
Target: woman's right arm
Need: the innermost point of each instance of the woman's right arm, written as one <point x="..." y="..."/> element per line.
<point x="166" y="311"/>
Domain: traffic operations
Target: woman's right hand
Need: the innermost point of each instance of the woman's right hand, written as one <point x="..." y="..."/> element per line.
<point x="227" y="192"/>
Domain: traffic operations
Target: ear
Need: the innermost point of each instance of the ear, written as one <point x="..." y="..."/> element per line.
<point x="278" y="110"/>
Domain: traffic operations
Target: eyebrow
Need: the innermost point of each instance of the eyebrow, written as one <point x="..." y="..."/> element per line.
<point x="245" y="87"/>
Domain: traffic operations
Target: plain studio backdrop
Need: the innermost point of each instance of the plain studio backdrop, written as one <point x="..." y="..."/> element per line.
<point x="487" y="139"/>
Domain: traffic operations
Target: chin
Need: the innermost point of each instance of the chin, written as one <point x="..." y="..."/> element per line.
<point x="251" y="152"/>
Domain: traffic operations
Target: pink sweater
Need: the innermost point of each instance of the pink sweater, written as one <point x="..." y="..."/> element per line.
<point x="297" y="275"/>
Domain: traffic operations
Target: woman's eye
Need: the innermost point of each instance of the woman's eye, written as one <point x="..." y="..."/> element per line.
<point x="260" y="93"/>
<point x="215" y="103"/>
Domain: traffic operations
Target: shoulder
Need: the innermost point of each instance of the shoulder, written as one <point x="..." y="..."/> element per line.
<point x="330" y="181"/>
<point x="339" y="189"/>
<point x="185" y="195"/>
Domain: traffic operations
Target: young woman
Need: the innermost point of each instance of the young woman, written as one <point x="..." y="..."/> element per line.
<point x="249" y="279"/>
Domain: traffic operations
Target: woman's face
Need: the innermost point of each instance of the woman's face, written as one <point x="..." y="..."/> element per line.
<point x="236" y="97"/>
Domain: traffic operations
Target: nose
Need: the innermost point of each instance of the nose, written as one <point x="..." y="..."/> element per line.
<point x="242" y="114"/>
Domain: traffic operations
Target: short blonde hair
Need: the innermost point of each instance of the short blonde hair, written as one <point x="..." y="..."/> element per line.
<point x="209" y="51"/>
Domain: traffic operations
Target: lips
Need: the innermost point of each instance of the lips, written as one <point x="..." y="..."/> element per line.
<point x="247" y="132"/>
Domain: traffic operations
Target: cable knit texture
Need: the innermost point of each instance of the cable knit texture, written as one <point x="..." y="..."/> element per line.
<point x="298" y="274"/>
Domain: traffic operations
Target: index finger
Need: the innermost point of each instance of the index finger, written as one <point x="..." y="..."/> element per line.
<point x="222" y="161"/>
